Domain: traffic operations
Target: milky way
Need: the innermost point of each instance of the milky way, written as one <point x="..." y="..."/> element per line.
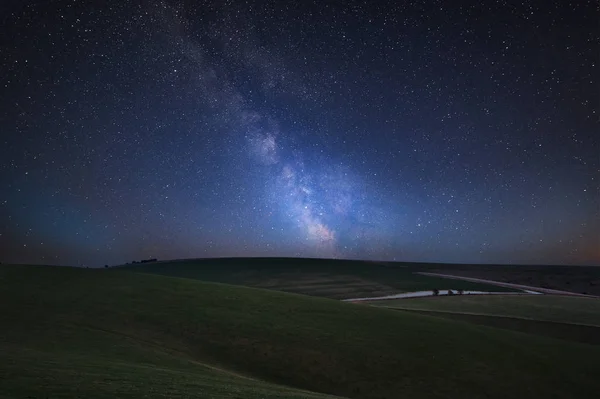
<point x="371" y="130"/>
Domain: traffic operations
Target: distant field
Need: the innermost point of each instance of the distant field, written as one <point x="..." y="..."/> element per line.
<point x="563" y="309"/>
<point x="337" y="279"/>
<point x="581" y="279"/>
<point x="97" y="333"/>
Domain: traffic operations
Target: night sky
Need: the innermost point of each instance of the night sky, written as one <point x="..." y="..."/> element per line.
<point x="411" y="131"/>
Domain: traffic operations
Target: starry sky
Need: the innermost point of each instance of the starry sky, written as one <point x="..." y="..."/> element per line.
<point x="402" y="130"/>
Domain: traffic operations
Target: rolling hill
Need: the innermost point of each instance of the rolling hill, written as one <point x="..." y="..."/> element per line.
<point x="337" y="279"/>
<point x="565" y="317"/>
<point x="96" y="333"/>
<point x="561" y="309"/>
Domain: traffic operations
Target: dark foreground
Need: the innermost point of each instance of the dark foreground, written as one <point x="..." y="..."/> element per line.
<point x="97" y="333"/>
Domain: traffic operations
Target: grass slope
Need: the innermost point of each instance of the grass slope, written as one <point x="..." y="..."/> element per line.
<point x="337" y="279"/>
<point x="95" y="333"/>
<point x="564" y="309"/>
<point x="120" y="367"/>
<point x="571" y="332"/>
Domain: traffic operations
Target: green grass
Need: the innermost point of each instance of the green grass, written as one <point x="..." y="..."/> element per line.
<point x="571" y="332"/>
<point x="337" y="279"/>
<point x="570" y="318"/>
<point x="130" y="373"/>
<point x="96" y="333"/>
<point x="564" y="309"/>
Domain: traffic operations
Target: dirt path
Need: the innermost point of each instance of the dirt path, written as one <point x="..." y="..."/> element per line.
<point x="526" y="288"/>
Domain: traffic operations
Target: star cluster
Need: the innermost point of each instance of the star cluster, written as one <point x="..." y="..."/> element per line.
<point x="414" y="131"/>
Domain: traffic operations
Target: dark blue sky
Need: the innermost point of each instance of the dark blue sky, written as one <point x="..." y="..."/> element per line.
<point x="414" y="131"/>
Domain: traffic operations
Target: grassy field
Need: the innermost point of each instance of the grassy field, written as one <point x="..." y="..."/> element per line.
<point x="571" y="332"/>
<point x="96" y="333"/>
<point x="121" y="367"/>
<point x="563" y="309"/>
<point x="570" y="318"/>
<point x="337" y="279"/>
